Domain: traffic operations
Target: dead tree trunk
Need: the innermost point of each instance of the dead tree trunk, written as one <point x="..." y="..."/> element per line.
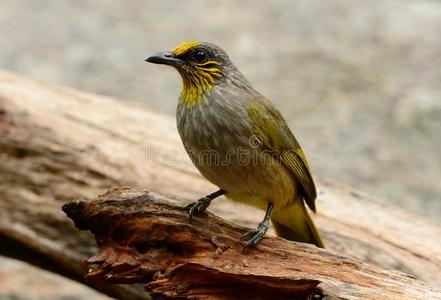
<point x="59" y="144"/>
<point x="146" y="238"/>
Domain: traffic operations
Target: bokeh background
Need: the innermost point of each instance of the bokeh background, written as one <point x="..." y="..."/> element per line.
<point x="359" y="82"/>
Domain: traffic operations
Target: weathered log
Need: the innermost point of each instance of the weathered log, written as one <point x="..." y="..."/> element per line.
<point x="59" y="144"/>
<point x="145" y="238"/>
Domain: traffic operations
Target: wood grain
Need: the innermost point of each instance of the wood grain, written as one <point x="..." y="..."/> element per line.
<point x="145" y="238"/>
<point x="59" y="144"/>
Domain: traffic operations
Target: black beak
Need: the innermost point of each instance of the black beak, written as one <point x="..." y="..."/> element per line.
<point x="164" y="58"/>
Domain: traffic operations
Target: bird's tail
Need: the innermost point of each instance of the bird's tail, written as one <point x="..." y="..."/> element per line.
<point x="301" y="228"/>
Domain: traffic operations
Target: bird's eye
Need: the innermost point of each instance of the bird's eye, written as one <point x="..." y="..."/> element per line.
<point x="200" y="56"/>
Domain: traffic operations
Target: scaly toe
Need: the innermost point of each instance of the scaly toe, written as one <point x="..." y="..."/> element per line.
<point x="254" y="240"/>
<point x="189" y="206"/>
<point x="248" y="235"/>
<point x="253" y="237"/>
<point x="197" y="207"/>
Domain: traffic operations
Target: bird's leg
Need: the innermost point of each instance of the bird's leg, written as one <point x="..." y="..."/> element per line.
<point x="201" y="205"/>
<point x="254" y="236"/>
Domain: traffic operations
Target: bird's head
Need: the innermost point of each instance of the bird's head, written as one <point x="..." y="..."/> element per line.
<point x="202" y="66"/>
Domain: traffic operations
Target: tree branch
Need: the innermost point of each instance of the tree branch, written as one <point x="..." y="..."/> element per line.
<point x="58" y="144"/>
<point x="146" y="238"/>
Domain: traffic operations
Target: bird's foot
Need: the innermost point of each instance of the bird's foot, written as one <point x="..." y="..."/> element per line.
<point x="198" y="207"/>
<point x="253" y="237"/>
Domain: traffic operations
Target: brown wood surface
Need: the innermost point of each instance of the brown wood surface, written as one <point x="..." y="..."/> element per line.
<point x="59" y="144"/>
<point x="146" y="238"/>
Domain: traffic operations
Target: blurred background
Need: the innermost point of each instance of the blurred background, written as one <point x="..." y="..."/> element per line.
<point x="359" y="82"/>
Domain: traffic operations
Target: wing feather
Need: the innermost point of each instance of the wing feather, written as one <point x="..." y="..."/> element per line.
<point x="269" y="125"/>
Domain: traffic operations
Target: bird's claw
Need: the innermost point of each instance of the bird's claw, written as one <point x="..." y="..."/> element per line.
<point x="198" y="207"/>
<point x="253" y="237"/>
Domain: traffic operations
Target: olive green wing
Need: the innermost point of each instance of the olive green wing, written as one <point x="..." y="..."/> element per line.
<point x="270" y="127"/>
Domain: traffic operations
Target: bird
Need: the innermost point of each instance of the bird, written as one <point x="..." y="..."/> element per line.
<point x="241" y="143"/>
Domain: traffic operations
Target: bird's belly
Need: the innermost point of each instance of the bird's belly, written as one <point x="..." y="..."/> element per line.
<point x="225" y="153"/>
<point x="256" y="180"/>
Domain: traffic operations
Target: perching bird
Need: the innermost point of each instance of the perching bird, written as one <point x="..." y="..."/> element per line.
<point x="240" y="142"/>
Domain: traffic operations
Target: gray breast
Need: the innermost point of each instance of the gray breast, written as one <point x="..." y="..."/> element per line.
<point x="217" y="136"/>
<point x="213" y="124"/>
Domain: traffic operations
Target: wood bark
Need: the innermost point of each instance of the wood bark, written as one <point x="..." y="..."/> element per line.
<point x="59" y="144"/>
<point x="146" y="238"/>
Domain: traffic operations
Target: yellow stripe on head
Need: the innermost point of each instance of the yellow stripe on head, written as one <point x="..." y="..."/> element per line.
<point x="199" y="77"/>
<point x="185" y="47"/>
